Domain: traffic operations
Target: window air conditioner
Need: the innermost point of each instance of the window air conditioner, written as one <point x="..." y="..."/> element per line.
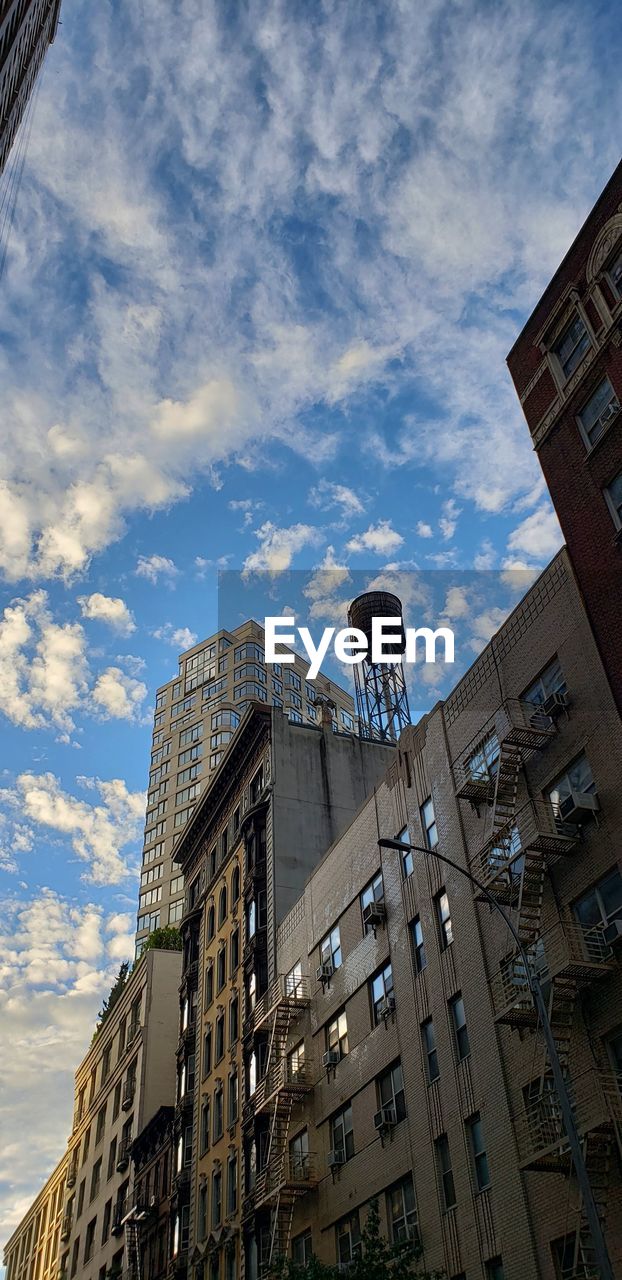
<point x="386" y="1007"/>
<point x="612" y="933"/>
<point x="336" y="1158"/>
<point x="385" y="1118"/>
<point x="374" y="914"/>
<point x="554" y="704"/>
<point x="325" y="971"/>
<point x="331" y="1058"/>
<point x="578" y="807"/>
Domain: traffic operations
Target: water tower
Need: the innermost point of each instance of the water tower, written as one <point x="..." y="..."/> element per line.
<point x="381" y="696"/>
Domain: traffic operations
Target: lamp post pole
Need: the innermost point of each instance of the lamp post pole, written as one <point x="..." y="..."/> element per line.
<point x="565" y="1105"/>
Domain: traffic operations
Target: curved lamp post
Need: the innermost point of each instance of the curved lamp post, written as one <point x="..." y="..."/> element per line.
<point x="539" y="1004"/>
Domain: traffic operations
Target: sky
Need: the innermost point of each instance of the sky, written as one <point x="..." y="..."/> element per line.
<point x="266" y="263"/>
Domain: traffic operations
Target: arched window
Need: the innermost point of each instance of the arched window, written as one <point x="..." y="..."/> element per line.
<point x="235" y="884"/>
<point x="211" y="924"/>
<point x="222" y="905"/>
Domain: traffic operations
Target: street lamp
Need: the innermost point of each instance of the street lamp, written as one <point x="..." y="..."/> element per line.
<point x="539" y="1004"/>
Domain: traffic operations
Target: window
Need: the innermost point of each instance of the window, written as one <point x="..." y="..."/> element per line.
<point x="221" y="967"/>
<point x="402" y="1210"/>
<point x="295" y="717"/>
<point x="613" y="498"/>
<point x="106" y="1221"/>
<point x="296" y="1062"/>
<point x="428" y="823"/>
<point x="341" y="1131"/>
<point x="202" y="1223"/>
<point x="220" y="1037"/>
<point x="571" y="347"/>
<point x="175" y="911"/>
<point x="458" y="1021"/>
<point x="614" y="271"/>
<point x="234" y="1020"/>
<point x="232" y="1099"/>
<point x="337" y="1034"/>
<point x="100" y="1123"/>
<point x="302" y="1248"/>
<point x="204" y="1129"/>
<point x="601" y="903"/>
<point x="216" y="1198"/>
<point x="391" y="1091"/>
<point x="382" y="997"/>
<point x="218" y="1113"/>
<point x="235" y="949"/>
<point x="443" y="916"/>
<point x="207" y="1052"/>
<point x="235" y="878"/>
<point x="418" y="945"/>
<point x="112" y="1158"/>
<point x="551" y="680"/>
<point x="89" y="1240"/>
<point x="348" y="1236"/>
<point x="443" y="1161"/>
<point x="232" y="1185"/>
<point x="256" y="786"/>
<point x="330" y="949"/>
<point x="96" y="1177"/>
<point x="494" y="1268"/>
<point x="81" y="1191"/>
<point x="577" y="778"/>
<point x="294" y="680"/>
<point x="222" y="905"/>
<point x="484" y="762"/>
<point x="211" y="923"/>
<point x="597" y="412"/>
<point x="299" y="1156"/>
<point x="478" y="1152"/>
<point x="429" y="1049"/>
<point x="407" y="856"/>
<point x="614" y="1049"/>
<point x="373" y="893"/>
<point x="209" y="985"/>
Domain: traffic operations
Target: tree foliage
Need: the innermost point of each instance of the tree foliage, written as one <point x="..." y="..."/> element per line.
<point x="116" y="991"/>
<point x="166" y="939"/>
<point x="377" y="1260"/>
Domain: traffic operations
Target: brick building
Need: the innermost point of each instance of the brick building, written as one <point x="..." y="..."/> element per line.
<point x="281" y="795"/>
<point x="567" y="369"/>
<point x="32" y="1252"/>
<point x="405" y="1063"/>
<point x="151" y="1216"/>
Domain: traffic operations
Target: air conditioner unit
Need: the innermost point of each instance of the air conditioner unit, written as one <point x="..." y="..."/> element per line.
<point x="554" y="704"/>
<point x="336" y="1158"/>
<point x="578" y="807"/>
<point x="386" y="1007"/>
<point x="612" y="933"/>
<point x="128" y="1097"/>
<point x="384" y="1119"/>
<point x="331" y="1058"/>
<point x="411" y="1231"/>
<point x="325" y="971"/>
<point x="374" y="914"/>
<point x="610" y="412"/>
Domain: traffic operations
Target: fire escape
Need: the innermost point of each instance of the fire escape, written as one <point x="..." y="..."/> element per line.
<point x="285" y="1174"/>
<point x="512" y="864"/>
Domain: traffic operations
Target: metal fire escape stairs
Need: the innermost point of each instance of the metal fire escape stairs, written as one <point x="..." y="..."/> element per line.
<point x="132" y="1247"/>
<point x="277" y="1186"/>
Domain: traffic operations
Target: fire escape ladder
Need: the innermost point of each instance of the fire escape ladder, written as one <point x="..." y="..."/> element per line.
<point x="132" y="1242"/>
<point x="597" y="1150"/>
<point x="506" y="786"/>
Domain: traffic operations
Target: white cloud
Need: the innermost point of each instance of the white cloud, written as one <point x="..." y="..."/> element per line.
<point x="109" y="609"/>
<point x="179" y="637"/>
<point x="380" y="539"/>
<point x="43" y="666"/>
<point x="277" y="547"/>
<point x="449" y="519"/>
<point x="118" y="695"/>
<point x="424" y="530"/>
<point x="58" y="960"/>
<point x="538" y="536"/>
<point x="155" y="567"/>
<point x="327" y="494"/>
<point x="98" y="832"/>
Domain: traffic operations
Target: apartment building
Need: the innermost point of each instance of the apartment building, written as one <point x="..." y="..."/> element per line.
<point x="152" y="1158"/>
<point x="281" y="795"/>
<point x="567" y="369"/>
<point x="127" y="1075"/>
<point x="32" y="1252"/>
<point x="27" y="28"/>
<point x="196" y="715"/>
<point x="399" y="1057"/>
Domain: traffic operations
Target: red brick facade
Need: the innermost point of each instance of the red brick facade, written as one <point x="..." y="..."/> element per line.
<point x="578" y="472"/>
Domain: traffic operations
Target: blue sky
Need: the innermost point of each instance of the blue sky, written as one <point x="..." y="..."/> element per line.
<point x="266" y="264"/>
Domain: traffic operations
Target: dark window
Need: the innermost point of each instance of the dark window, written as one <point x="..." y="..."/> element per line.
<point x="402" y="1210"/>
<point x="443" y="915"/>
<point x="407" y="857"/>
<point x="416" y="933"/>
<point x="330" y="948"/>
<point x="222" y="906"/>
<point x="571" y="347"/>
<point x="551" y="680"/>
<point x="302" y="1248"/>
<point x="221" y="968"/>
<point x="458" y="1019"/>
<point x="391" y="1091"/>
<point x="478" y="1152"/>
<point x="428" y="823"/>
<point x="207" y="1052"/>
<point x="382" y="997"/>
<point x="220" y="1037"/>
<point x="601" y="903"/>
<point x="429" y="1050"/>
<point x="348" y="1237"/>
<point x="613" y="498"/>
<point x="341" y="1131"/>
<point x="443" y="1158"/>
<point x="235" y="949"/>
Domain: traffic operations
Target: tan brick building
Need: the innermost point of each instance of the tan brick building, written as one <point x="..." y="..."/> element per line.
<point x="406" y="1064"/>
<point x="32" y="1252"/>
<point x="196" y="715"/>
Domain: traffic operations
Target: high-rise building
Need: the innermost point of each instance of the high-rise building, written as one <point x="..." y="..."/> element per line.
<point x="27" y="28"/>
<point x="282" y="794"/>
<point x="567" y="370"/>
<point x="196" y="715"/>
<point x="396" y="1056"/>
<point x="33" y="1249"/>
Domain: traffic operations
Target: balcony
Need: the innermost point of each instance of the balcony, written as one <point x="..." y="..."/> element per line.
<point x="283" y="1083"/>
<point x="72" y="1173"/>
<point x="567" y="950"/>
<point x="288" y="1176"/>
<point x="123" y="1155"/>
<point x="514" y="724"/>
<point x="118" y="1217"/>
<point x="597" y="1105"/>
<point x="127" y="1096"/>
<point x="285" y="993"/>
<point x="534" y="827"/>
